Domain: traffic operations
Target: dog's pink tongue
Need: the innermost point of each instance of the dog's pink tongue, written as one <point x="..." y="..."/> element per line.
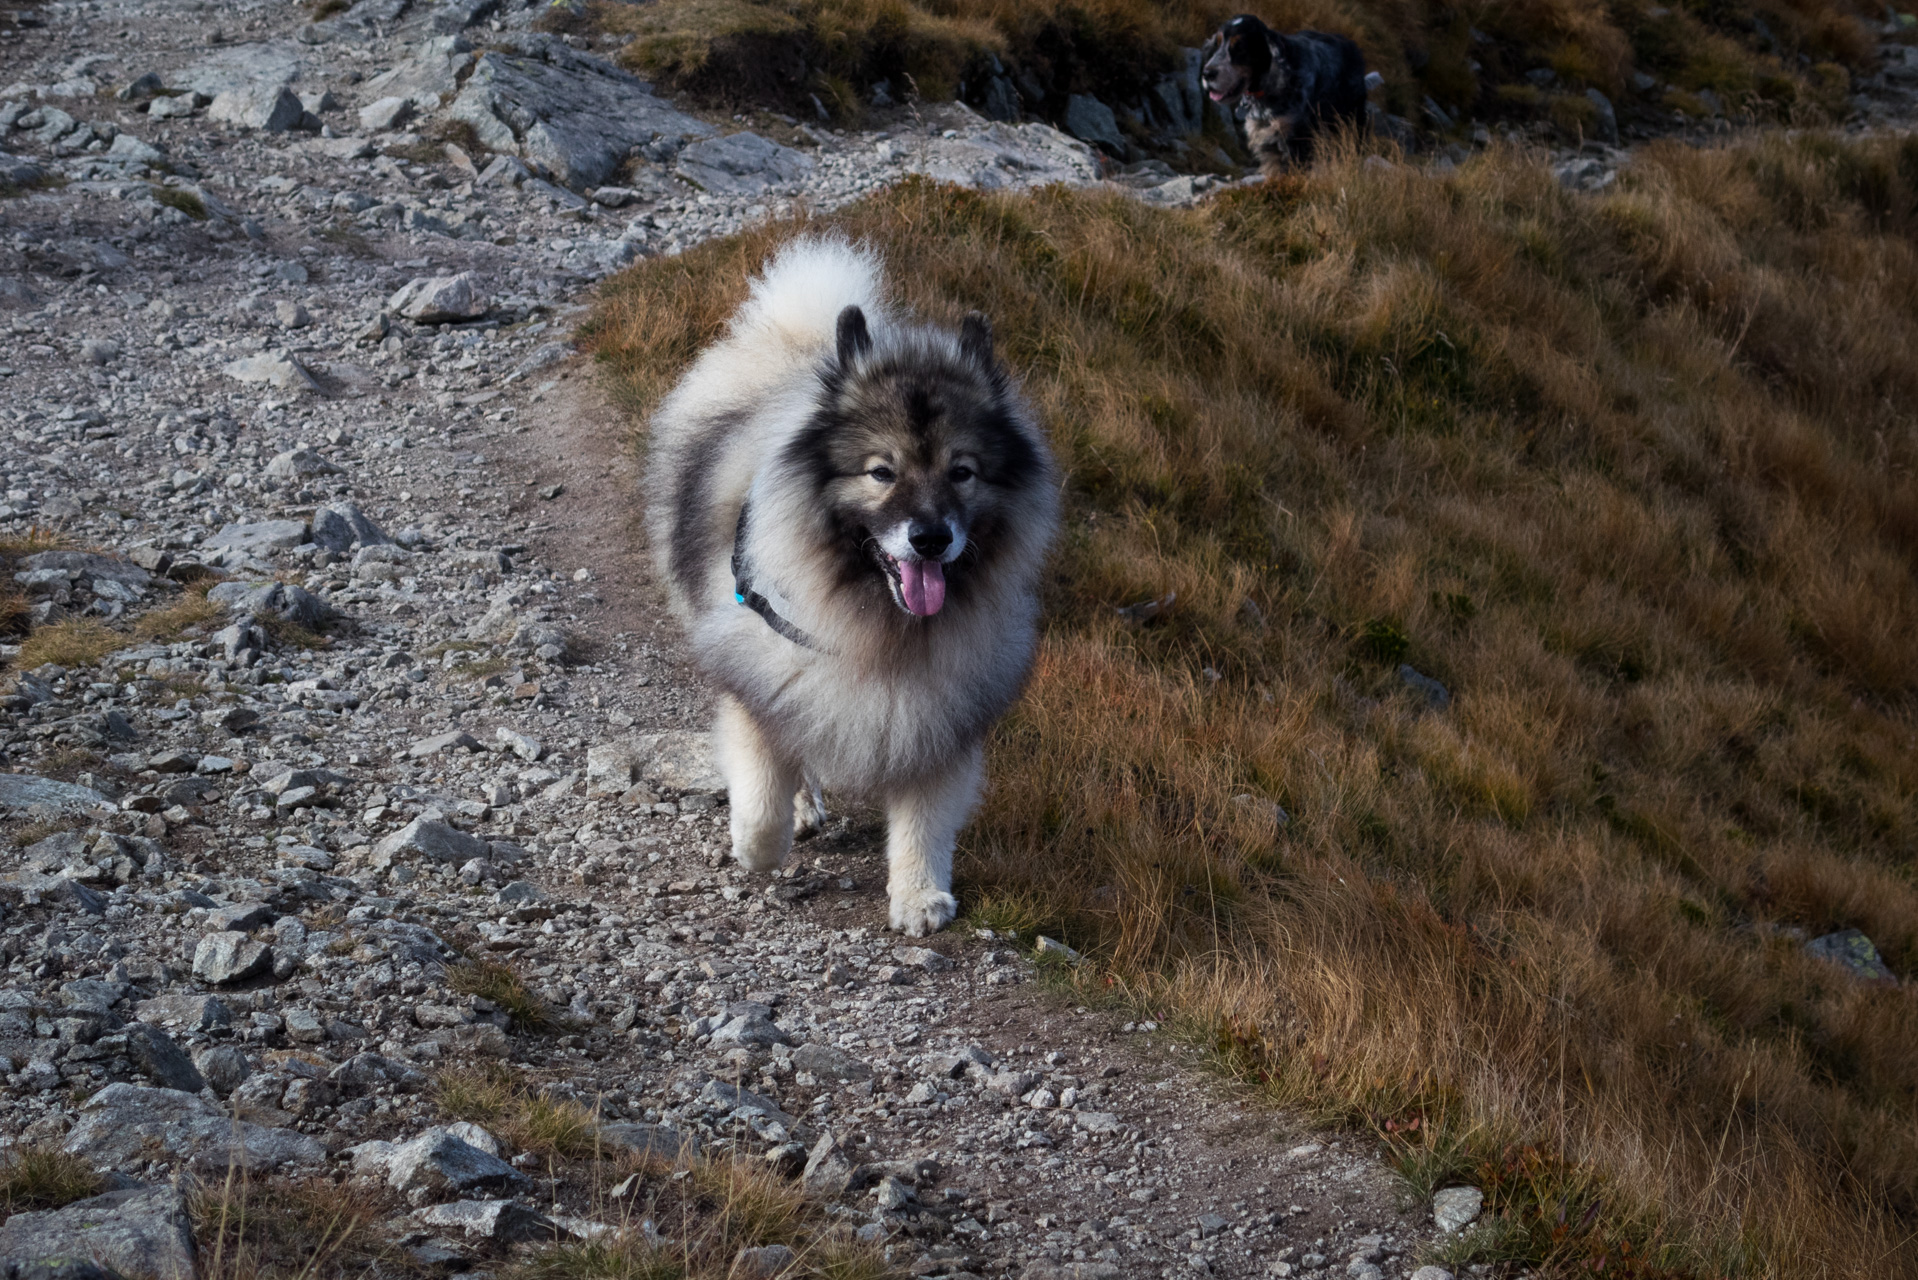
<point x="923" y="584"/>
<point x="1215" y="95"/>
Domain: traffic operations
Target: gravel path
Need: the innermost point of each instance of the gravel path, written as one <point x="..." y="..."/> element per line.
<point x="269" y="322"/>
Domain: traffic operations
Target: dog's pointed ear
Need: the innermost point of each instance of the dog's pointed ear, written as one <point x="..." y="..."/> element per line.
<point x="855" y="339"/>
<point x="975" y="339"/>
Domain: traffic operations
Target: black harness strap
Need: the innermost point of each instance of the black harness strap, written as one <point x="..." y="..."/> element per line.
<point x="743" y="591"/>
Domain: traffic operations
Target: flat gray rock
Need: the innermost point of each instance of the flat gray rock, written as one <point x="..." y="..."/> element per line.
<point x="428" y="76"/>
<point x="31" y="889"/>
<point x="143" y="1232"/>
<point x="574" y="115"/>
<point x="272" y="63"/>
<point x="681" y="759"/>
<point x="741" y="164"/>
<point x="258" y="537"/>
<point x="650" y="1140"/>
<point x="500" y="1220"/>
<point x="300" y="464"/>
<point x="282" y="371"/>
<point x="828" y="1063"/>
<point x="1005" y="156"/>
<point x="18" y="790"/>
<point x="187" y="1012"/>
<point x="434" y="839"/>
<point x="126" y="1123"/>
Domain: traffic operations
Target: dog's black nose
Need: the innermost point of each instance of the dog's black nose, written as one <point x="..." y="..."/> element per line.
<point x="930" y="540"/>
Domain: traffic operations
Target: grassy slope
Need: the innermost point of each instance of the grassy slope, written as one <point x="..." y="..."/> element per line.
<point x="1634" y="476"/>
<point x="1768" y="58"/>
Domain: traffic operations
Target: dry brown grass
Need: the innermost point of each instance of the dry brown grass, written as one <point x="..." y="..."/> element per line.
<point x="281" y="1230"/>
<point x="1636" y="476"/>
<point x="78" y="642"/>
<point x="499" y="982"/>
<point x="497" y="1098"/>
<point x="703" y="1213"/>
<point x="43" y="1178"/>
<point x="1765" y="58"/>
<point x="191" y="610"/>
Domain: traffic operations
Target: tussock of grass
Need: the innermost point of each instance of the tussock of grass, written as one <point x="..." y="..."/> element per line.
<point x="281" y="1228"/>
<point x="1659" y="441"/>
<point x="495" y="1097"/>
<point x="701" y="1222"/>
<point x="499" y="982"/>
<point x="180" y="198"/>
<point x="43" y="1178"/>
<point x="193" y="609"/>
<point x="78" y="642"/>
<point x="291" y="635"/>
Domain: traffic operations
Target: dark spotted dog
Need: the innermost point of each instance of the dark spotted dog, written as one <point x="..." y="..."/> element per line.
<point x="1294" y="86"/>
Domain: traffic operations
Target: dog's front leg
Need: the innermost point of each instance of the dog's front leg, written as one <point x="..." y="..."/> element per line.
<point x="922" y="822"/>
<point x="759" y="788"/>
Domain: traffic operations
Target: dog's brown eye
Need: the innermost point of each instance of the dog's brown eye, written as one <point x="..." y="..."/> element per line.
<point x="883" y="475"/>
<point x="961" y="473"/>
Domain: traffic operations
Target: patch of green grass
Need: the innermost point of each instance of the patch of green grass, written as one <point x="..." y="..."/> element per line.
<point x="43" y="1178"/>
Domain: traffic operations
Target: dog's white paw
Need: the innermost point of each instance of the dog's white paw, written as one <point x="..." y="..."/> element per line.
<point x="761" y="851"/>
<point x="918" y="912"/>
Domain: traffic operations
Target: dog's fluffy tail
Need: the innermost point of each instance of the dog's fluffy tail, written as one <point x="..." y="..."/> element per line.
<point x="797" y="299"/>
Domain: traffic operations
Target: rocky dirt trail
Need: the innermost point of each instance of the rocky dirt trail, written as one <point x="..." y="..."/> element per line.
<point x="286" y="308"/>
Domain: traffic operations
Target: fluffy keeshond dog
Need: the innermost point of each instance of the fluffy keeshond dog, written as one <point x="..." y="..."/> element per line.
<point x="851" y="510"/>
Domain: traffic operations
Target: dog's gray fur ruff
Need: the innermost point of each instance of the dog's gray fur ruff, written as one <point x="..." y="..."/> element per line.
<point x="846" y="432"/>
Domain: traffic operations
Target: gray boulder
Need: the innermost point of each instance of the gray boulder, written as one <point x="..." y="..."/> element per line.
<point x="283" y="600"/>
<point x="338" y="525"/>
<point x="432" y="838"/>
<point x="126" y="1123"/>
<point x="741" y="164"/>
<point x="441" y="299"/>
<point x="300" y="464"/>
<point x="141" y="1232"/>
<point x="681" y="759"/>
<point x="1853" y="952"/>
<point x="438" y="1162"/>
<point x="266" y="107"/>
<point x="574" y="115"/>
<point x="1090" y="120"/>
<point x="161" y="1060"/>
<point x="31" y="889"/>
<point x="224" y="1068"/>
<point x="230" y="956"/>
